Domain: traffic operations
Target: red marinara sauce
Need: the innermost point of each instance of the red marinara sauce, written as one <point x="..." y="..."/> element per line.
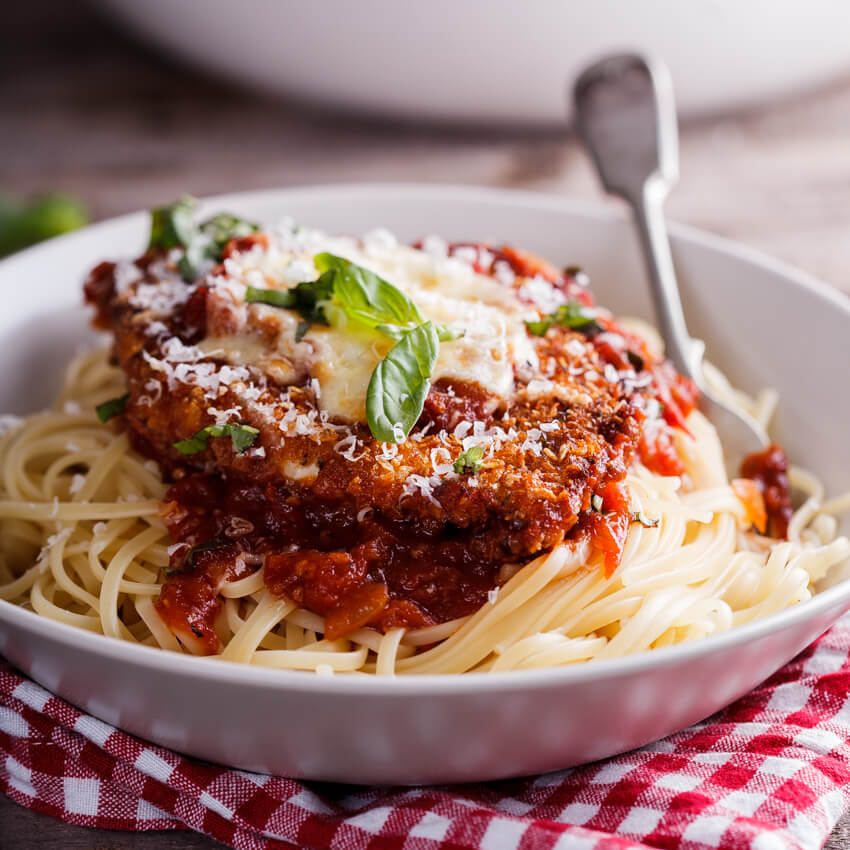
<point x="769" y="470"/>
<point x="354" y="573"/>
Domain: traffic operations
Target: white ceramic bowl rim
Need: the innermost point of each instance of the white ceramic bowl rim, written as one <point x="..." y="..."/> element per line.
<point x="226" y="671"/>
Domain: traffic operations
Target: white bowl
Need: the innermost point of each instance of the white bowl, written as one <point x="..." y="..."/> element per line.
<point x="765" y="324"/>
<point x="502" y="62"/>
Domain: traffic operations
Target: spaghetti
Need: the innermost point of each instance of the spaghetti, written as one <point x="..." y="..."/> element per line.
<point x="87" y="536"/>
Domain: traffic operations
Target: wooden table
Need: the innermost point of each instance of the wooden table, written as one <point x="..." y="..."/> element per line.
<point x="85" y="109"/>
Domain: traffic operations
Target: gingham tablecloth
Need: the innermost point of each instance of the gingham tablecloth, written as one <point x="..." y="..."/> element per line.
<point x="771" y="772"/>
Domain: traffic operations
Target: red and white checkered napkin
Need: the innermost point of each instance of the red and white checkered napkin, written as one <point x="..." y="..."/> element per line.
<point x="771" y="772"/>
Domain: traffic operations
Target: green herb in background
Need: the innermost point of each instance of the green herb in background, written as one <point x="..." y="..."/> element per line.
<point x="23" y="224"/>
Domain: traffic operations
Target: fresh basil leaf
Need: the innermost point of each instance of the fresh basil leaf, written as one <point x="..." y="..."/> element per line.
<point x="309" y="299"/>
<point x="189" y="265"/>
<point x="469" y="461"/>
<point x="223" y="227"/>
<point x="573" y="315"/>
<point x="400" y="384"/>
<point x="208" y="242"/>
<point x="312" y="296"/>
<point x="193" y="445"/>
<point x="642" y="518"/>
<point x="392" y="331"/>
<point x="363" y="296"/>
<point x="273" y="297"/>
<point x="109" y="409"/>
<point x="241" y="436"/>
<point x="447" y="333"/>
<point x="366" y="297"/>
<point x="173" y="225"/>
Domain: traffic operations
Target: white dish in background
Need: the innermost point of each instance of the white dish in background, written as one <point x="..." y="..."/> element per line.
<point x="765" y="324"/>
<point x="498" y="62"/>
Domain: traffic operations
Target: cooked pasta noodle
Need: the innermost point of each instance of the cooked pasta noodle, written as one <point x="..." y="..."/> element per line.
<point x="82" y="542"/>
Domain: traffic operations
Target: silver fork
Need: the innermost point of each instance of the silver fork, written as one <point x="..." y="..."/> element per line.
<point x="626" y="117"/>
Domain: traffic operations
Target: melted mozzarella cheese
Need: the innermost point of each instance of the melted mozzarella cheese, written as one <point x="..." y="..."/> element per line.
<point x="342" y="359"/>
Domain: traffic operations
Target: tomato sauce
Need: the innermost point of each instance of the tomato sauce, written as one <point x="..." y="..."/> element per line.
<point x="355" y="573"/>
<point x="769" y="470"/>
<point x="608" y="526"/>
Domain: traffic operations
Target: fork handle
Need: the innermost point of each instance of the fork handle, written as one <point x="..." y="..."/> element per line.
<point x="685" y="352"/>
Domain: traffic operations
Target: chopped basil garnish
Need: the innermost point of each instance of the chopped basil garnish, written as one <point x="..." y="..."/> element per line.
<point x="573" y="315"/>
<point x="242" y="437"/>
<point x="596" y="502"/>
<point x="635" y="360"/>
<point x="109" y="409"/>
<point x="469" y="461"/>
<point x="644" y="520"/>
<point x="400" y="384"/>
<point x="312" y="297"/>
<point x="309" y="299"/>
<point x="272" y="297"/>
<point x="173" y="226"/>
<point x="223" y="227"/>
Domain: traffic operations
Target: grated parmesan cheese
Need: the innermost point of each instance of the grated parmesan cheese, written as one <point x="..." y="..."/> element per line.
<point x="347" y="447"/>
<point x="543" y="294"/>
<point x="504" y="273"/>
<point x="418" y="484"/>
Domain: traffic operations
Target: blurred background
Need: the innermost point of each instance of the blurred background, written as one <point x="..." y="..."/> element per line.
<point x="121" y="104"/>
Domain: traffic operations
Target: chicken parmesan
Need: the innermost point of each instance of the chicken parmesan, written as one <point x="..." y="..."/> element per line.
<point x="366" y="455"/>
